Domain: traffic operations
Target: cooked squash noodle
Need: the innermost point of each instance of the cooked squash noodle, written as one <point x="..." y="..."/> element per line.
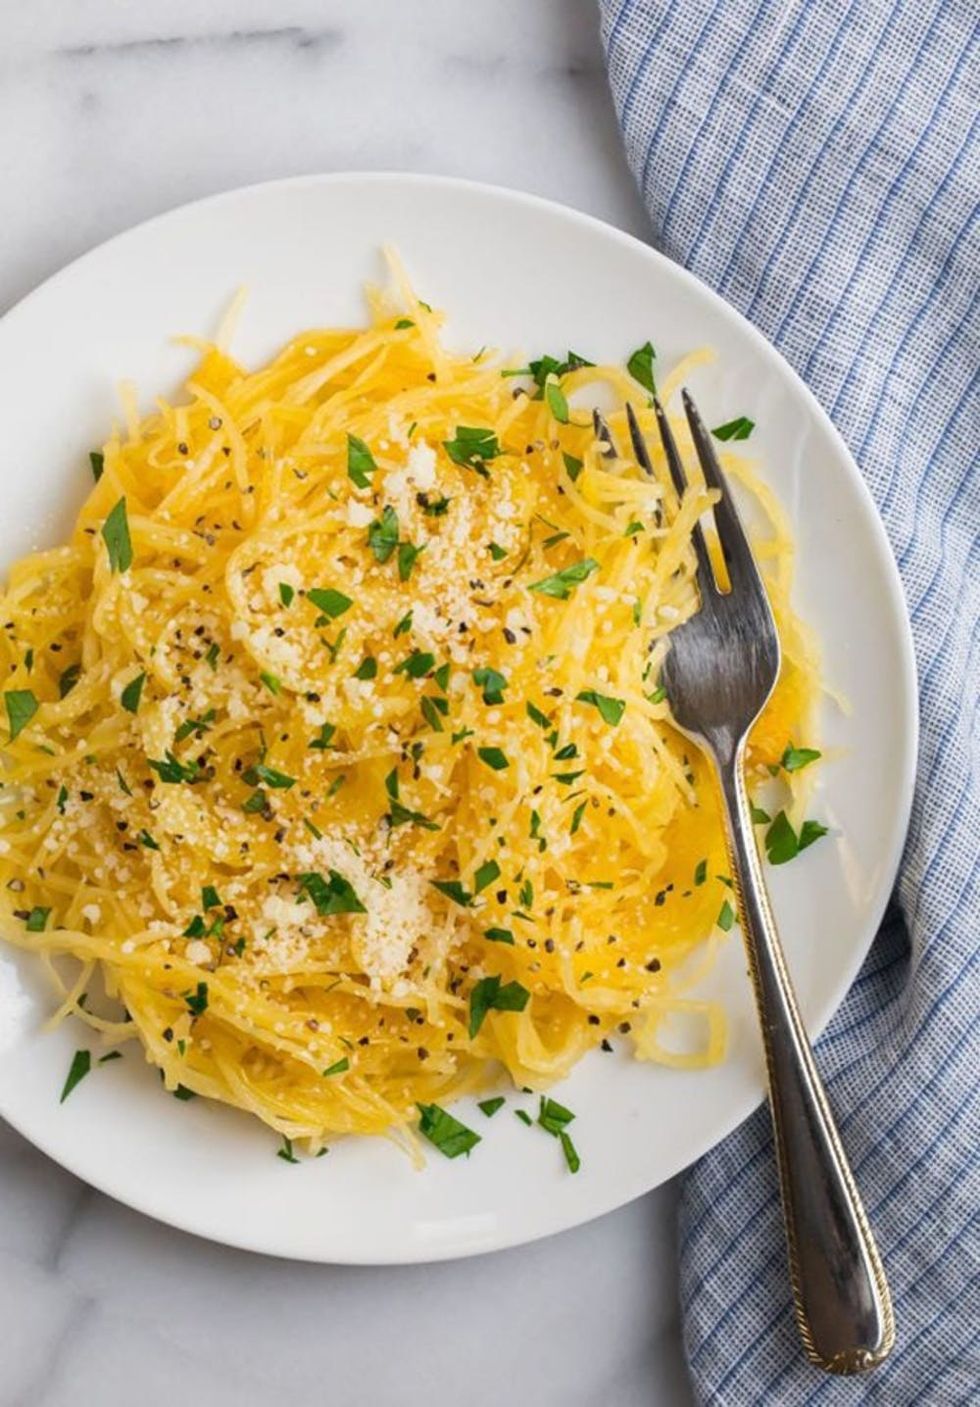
<point x="398" y="739"/>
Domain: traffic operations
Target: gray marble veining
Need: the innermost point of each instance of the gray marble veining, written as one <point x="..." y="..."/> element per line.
<point x="109" y="114"/>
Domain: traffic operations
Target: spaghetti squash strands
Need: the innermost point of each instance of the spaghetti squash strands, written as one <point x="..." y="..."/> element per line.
<point x="397" y="800"/>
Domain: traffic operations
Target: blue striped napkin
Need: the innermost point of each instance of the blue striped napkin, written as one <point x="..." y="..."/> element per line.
<point x="818" y="163"/>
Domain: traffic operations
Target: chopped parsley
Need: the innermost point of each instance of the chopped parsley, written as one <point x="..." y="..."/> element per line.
<point x="415" y="665"/>
<point x="96" y="460"/>
<point x="62" y="800"/>
<point x="524" y="1116"/>
<point x="334" y="895"/>
<point x="499" y="935"/>
<point x="403" y="626"/>
<point x="700" y="872"/>
<point x="431" y="709"/>
<point x="81" y="1064"/>
<point x="738" y="429"/>
<point x="759" y="816"/>
<point x="497" y="552"/>
<point x="492" y="682"/>
<point x="433" y="507"/>
<point x="611" y="710"/>
<point x="557" y="402"/>
<point x="197" y="726"/>
<point x="794" y="759"/>
<point x="286" y="1151"/>
<point x="489" y="1107"/>
<point x="489" y="995"/>
<point x="408" y="555"/>
<point x="573" y="466"/>
<point x="332" y="603"/>
<point x="322" y="742"/>
<point x="545" y="366"/>
<point x="572" y="1158"/>
<point x="445" y="1132"/>
<point x="536" y="716"/>
<point x="563" y="583"/>
<point x="145" y="838"/>
<point x="726" y="917"/>
<point x="403" y="323"/>
<point x="210" y="898"/>
<point x="493" y="757"/>
<point x="279" y="781"/>
<point x="197" y="1001"/>
<point x="453" y="889"/>
<point x="657" y="696"/>
<point x="68" y="679"/>
<point x="270" y="681"/>
<point x="130" y="696"/>
<point x="256" y="803"/>
<point x="553" y="1117"/>
<point x="21" y="708"/>
<point x="782" y="842"/>
<point x="360" y="462"/>
<point x="337" y="1068"/>
<point x="383" y="534"/>
<point x="640" y="367"/>
<point x="472" y="447"/>
<point x="577" y="817"/>
<point x="37" y="919"/>
<point x="485" y="874"/>
<point x="367" y="669"/>
<point x="286" y="593"/>
<point x="172" y="770"/>
<point x="213" y="654"/>
<point x="115" y="534"/>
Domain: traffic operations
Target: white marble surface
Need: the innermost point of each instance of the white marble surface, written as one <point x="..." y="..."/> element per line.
<point x="110" y="111"/>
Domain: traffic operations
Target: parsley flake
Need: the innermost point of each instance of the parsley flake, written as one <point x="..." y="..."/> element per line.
<point x="334" y="895"/>
<point x="640" y="366"/>
<point x="332" y="603"/>
<point x="415" y="665"/>
<point x="611" y="710"/>
<point x="360" y="462"/>
<point x="492" y="682"/>
<point x="446" y="1132"/>
<point x="563" y="583"/>
<point x="493" y="757"/>
<point x="115" y="534"/>
<point x="21" y="708"/>
<point x="472" y="447"/>
<point x="68" y="679"/>
<point x="489" y="995"/>
<point x="81" y="1064"/>
<point x="794" y="759"/>
<point x="383" y="534"/>
<point x="130" y="696"/>
<point x="499" y="935"/>
<point x="738" y="429"/>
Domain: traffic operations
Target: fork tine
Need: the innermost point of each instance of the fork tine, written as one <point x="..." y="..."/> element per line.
<point x="705" y="574"/>
<point x="642" y="456"/>
<point x="731" y="534"/>
<point x="604" y="435"/>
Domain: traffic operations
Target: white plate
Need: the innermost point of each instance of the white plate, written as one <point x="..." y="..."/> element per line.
<point x="518" y="273"/>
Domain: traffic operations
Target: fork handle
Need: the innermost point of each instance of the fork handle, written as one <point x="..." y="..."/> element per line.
<point x="841" y="1299"/>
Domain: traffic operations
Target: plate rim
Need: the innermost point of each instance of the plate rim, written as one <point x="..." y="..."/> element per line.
<point x="255" y="1239"/>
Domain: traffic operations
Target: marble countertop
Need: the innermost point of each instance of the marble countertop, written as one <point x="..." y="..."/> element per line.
<point x="110" y="113"/>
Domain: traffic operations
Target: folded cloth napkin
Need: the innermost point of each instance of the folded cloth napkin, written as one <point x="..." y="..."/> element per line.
<point x="818" y="163"/>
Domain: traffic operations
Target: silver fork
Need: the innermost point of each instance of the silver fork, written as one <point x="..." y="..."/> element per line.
<point x="718" y="674"/>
